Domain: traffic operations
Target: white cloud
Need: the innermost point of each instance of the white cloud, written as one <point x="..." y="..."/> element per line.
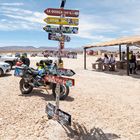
<point x="21" y="19"/>
<point x="91" y="28"/>
<point x="136" y="31"/>
<point x="11" y="4"/>
<point x="109" y="22"/>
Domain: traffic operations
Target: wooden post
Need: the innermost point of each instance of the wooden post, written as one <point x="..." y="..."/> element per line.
<point x="120" y="53"/>
<point x="127" y="50"/>
<point x="56" y="116"/>
<point x="84" y="58"/>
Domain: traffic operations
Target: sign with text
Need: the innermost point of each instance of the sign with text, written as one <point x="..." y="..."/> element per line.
<point x="64" y="12"/>
<point x="65" y="72"/>
<point x="60" y="80"/>
<point x="56" y="29"/>
<point x="58" y="37"/>
<point x="63" y="117"/>
<point x="62" y="21"/>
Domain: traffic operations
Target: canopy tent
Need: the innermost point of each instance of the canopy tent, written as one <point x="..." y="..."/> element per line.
<point x="128" y="41"/>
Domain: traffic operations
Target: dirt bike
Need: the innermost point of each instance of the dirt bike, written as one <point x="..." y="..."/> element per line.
<point x="31" y="79"/>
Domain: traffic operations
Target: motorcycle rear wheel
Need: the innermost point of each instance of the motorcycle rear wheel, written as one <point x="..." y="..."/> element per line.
<point x="64" y="91"/>
<point x="25" y="88"/>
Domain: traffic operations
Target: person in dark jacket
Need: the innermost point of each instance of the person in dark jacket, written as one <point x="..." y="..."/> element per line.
<point x="25" y="60"/>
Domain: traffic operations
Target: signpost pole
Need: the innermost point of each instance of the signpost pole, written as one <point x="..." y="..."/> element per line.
<point x="54" y="111"/>
<point x="58" y="85"/>
<point x="57" y="98"/>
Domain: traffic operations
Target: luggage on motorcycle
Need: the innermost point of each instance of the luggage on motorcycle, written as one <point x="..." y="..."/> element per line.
<point x="19" y="71"/>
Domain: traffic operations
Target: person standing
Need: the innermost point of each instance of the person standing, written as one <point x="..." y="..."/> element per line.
<point x="25" y="60"/>
<point x="132" y="63"/>
<point x="123" y="59"/>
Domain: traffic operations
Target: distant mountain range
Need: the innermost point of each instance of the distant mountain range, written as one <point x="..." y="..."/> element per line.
<point x="31" y="48"/>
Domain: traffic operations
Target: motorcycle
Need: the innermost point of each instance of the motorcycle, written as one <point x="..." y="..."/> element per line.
<point x="31" y="79"/>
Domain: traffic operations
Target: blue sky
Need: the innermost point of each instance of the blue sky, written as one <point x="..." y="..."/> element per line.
<point x="21" y="21"/>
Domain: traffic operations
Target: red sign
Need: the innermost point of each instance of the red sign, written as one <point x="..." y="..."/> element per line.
<point x="64" y="12"/>
<point x="60" y="80"/>
<point x="62" y="45"/>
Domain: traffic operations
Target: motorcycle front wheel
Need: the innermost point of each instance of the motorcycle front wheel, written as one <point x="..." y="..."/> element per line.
<point x="64" y="91"/>
<point x="25" y="88"/>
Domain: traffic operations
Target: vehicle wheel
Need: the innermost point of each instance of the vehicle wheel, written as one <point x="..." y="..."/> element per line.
<point x="1" y="72"/>
<point x="64" y="91"/>
<point x="25" y="88"/>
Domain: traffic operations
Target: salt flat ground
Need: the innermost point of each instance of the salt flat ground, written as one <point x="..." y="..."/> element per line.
<point x="109" y="101"/>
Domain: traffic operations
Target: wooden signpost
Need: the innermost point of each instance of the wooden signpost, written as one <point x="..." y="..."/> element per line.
<point x="54" y="111"/>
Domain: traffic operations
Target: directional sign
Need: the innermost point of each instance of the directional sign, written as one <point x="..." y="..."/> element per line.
<point x="62" y="21"/>
<point x="58" y="37"/>
<point x="56" y="29"/>
<point x="65" y="72"/>
<point x="59" y="12"/>
<point x="60" y="80"/>
<point x="63" y="117"/>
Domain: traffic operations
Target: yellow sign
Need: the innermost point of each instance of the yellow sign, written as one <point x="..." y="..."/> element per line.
<point x="62" y="21"/>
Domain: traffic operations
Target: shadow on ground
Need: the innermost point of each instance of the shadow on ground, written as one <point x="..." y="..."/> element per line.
<point x="80" y="132"/>
<point x="119" y="73"/>
<point x="7" y="75"/>
<point x="48" y="96"/>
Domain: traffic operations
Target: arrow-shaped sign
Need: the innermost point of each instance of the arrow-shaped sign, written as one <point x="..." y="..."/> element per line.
<point x="63" y="117"/>
<point x="58" y="37"/>
<point x="59" y="12"/>
<point x="60" y="80"/>
<point x="65" y="72"/>
<point x="56" y="29"/>
<point x="62" y="21"/>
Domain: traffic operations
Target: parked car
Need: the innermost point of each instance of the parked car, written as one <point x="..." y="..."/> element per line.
<point x="72" y="55"/>
<point x="33" y="55"/>
<point x="90" y="52"/>
<point x="40" y="55"/>
<point x="4" y="68"/>
<point x="17" y="55"/>
<point x="10" y="60"/>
